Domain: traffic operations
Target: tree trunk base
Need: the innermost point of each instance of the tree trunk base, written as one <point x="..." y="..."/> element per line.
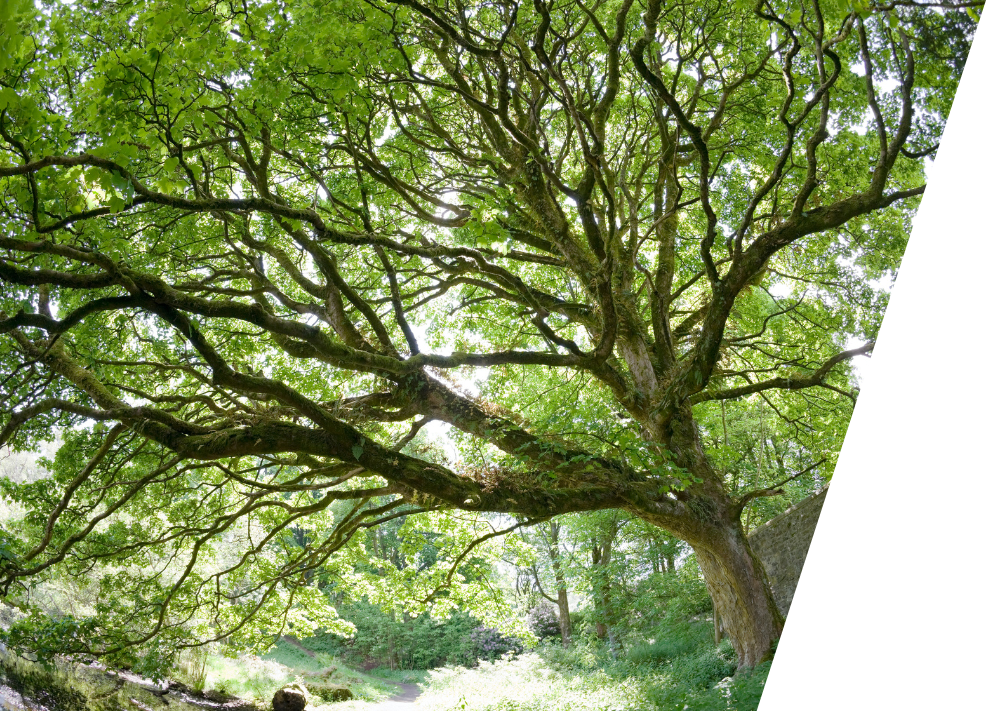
<point x="741" y="595"/>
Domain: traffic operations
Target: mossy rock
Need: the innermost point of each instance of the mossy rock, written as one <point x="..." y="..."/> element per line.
<point x="330" y="692"/>
<point x="292" y="697"/>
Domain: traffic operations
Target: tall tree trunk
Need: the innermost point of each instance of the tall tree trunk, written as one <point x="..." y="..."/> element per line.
<point x="564" y="616"/>
<point x="601" y="555"/>
<point x="734" y="576"/>
<point x="741" y="594"/>
<point x="737" y="584"/>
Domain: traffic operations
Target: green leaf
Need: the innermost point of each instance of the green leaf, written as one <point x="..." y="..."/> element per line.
<point x="7" y="97"/>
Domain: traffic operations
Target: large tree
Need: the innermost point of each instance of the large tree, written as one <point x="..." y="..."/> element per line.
<point x="250" y="249"/>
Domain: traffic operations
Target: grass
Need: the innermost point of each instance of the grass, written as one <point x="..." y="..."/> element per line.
<point x="404" y="676"/>
<point x="680" y="669"/>
<point x="528" y="683"/>
<point x="256" y="679"/>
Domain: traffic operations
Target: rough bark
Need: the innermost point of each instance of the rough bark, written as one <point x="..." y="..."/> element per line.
<point x="741" y="594"/>
<point x="734" y="576"/>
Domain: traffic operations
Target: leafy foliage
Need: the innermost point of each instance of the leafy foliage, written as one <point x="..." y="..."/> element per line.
<point x="278" y="273"/>
<point x="389" y="642"/>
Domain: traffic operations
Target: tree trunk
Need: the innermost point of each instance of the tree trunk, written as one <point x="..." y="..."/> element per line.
<point x="601" y="555"/>
<point x="736" y="581"/>
<point x="564" y="616"/>
<point x="709" y="520"/>
<point x="741" y="594"/>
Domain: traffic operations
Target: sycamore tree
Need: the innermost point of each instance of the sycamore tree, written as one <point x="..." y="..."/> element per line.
<point x="250" y="250"/>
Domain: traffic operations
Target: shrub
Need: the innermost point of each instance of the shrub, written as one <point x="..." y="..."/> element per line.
<point x="747" y="687"/>
<point x="490" y="644"/>
<point x="580" y="656"/>
<point x="192" y="667"/>
<point x="578" y="621"/>
<point x="399" y="643"/>
<point x="543" y="621"/>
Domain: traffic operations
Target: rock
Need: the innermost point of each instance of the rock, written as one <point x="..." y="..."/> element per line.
<point x="330" y="692"/>
<point x="290" y="698"/>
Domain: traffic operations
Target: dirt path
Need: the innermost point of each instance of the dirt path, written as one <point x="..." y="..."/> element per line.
<point x="400" y="702"/>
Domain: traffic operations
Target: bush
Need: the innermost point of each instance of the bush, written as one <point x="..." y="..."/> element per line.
<point x="490" y="644"/>
<point x="397" y="643"/>
<point x="192" y="667"/>
<point x="747" y="687"/>
<point x="543" y="621"/>
<point x="580" y="656"/>
<point x="578" y="620"/>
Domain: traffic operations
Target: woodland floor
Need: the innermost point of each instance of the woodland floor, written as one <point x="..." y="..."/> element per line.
<point x="399" y="702"/>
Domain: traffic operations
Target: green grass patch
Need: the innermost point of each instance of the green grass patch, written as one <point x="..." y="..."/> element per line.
<point x="671" y="641"/>
<point x="291" y="656"/>
<point x="404" y="676"/>
<point x="680" y="669"/>
<point x="256" y="679"/>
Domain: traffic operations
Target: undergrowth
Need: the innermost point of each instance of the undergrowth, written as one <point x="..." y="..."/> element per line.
<point x="680" y="668"/>
<point x="258" y="678"/>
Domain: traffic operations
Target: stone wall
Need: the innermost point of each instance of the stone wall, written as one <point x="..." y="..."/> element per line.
<point x="782" y="546"/>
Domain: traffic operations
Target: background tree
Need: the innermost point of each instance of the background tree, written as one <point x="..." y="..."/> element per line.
<point x="251" y="250"/>
<point x="542" y="574"/>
